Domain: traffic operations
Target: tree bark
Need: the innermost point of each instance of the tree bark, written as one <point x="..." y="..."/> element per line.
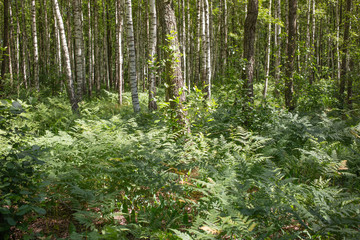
<point x="175" y="81"/>
<point x="24" y="48"/>
<point x="249" y="46"/>
<point x="106" y="55"/>
<point x="224" y="51"/>
<point x="47" y="37"/>
<point x="36" y="49"/>
<point x="11" y="50"/>
<point x="345" y="62"/>
<point x="277" y="43"/>
<point x="5" y="57"/>
<point x="338" y="62"/>
<point x="119" y="58"/>
<point x="268" y="51"/>
<point x="291" y="51"/>
<point x="70" y="83"/>
<point x="207" y="51"/>
<point x="96" y="49"/>
<point x="203" y="45"/>
<point x="58" y="48"/>
<point x="153" y="40"/>
<point x="91" y="53"/>
<point x="78" y="48"/>
<point x="132" y="57"/>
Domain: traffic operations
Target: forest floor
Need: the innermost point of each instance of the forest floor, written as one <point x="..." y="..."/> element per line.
<point x="110" y="174"/>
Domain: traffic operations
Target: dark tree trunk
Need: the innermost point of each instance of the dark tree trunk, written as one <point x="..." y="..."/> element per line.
<point x="345" y="62"/>
<point x="291" y="51"/>
<point x="249" y="46"/>
<point x="5" y="55"/>
<point x="174" y="77"/>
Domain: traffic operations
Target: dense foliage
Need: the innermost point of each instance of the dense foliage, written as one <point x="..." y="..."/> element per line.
<point x="109" y="174"/>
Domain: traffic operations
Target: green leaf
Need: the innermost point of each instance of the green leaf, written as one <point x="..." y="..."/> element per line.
<point x="183" y="236"/>
<point x="10" y="221"/>
<point x="39" y="210"/>
<point x="23" y="210"/>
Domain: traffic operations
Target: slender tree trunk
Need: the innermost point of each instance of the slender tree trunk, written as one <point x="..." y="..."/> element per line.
<point x="132" y="57"/>
<point x="268" y="51"/>
<point x="189" y="47"/>
<point x="119" y="59"/>
<point x="58" y="48"/>
<point x="36" y="49"/>
<point x="106" y="56"/>
<point x="11" y="50"/>
<point x="207" y="51"/>
<point x="198" y="43"/>
<point x="24" y="48"/>
<point x="91" y="52"/>
<point x="85" y="80"/>
<point x="344" y="64"/>
<point x="47" y="37"/>
<point x="203" y="45"/>
<point x="291" y="51"/>
<point x="183" y="41"/>
<point x="153" y="40"/>
<point x="308" y="43"/>
<point x="350" y="85"/>
<point x="313" y="42"/>
<point x="5" y="55"/>
<point x="70" y="83"/>
<point x="78" y="48"/>
<point x="337" y="11"/>
<point x="17" y="48"/>
<point x="96" y="47"/>
<point x="109" y="47"/>
<point x="225" y="36"/>
<point x="277" y="43"/>
<point x="249" y="46"/>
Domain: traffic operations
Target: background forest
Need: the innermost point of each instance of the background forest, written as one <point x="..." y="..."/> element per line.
<point x="179" y="119"/>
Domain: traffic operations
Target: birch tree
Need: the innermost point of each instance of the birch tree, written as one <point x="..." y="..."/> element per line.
<point x="132" y="57"/>
<point x="268" y="51"/>
<point x="152" y="52"/>
<point x="70" y="83"/>
<point x="78" y="48"/>
<point x="277" y="43"/>
<point x="36" y="49"/>
<point x="119" y="54"/>
<point x="207" y="51"/>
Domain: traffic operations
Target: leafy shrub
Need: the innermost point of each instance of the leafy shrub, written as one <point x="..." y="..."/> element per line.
<point x="19" y="171"/>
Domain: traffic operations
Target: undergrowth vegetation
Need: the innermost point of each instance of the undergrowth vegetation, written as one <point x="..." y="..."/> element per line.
<point x="109" y="174"/>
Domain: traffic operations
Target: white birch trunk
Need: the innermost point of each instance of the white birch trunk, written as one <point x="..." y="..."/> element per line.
<point x="277" y="43"/>
<point x="24" y="48"/>
<point x="119" y="59"/>
<point x="132" y="57"/>
<point x="268" y="51"/>
<point x="78" y="48"/>
<point x="11" y="47"/>
<point x="153" y="40"/>
<point x="337" y="41"/>
<point x="106" y="55"/>
<point x="91" y="53"/>
<point x="203" y="45"/>
<point x="207" y="52"/>
<point x="70" y="83"/>
<point x="36" y="49"/>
